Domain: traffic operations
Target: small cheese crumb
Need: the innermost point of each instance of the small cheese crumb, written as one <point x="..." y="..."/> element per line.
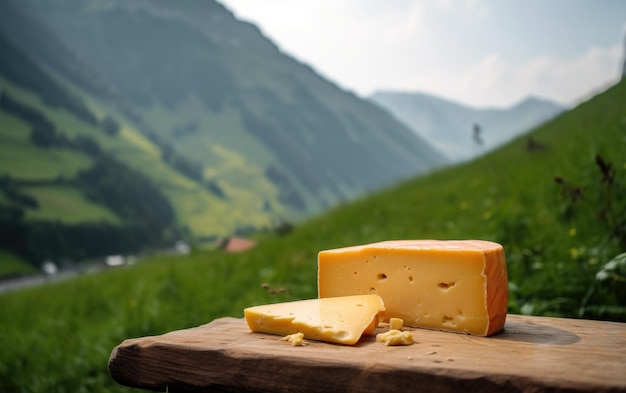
<point x="395" y="323"/>
<point x="395" y="337"/>
<point x="295" y="339"/>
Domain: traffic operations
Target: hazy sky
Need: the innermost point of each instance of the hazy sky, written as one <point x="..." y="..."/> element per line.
<point x="479" y="52"/>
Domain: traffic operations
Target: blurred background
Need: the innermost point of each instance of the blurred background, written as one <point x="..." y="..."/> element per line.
<point x="164" y="163"/>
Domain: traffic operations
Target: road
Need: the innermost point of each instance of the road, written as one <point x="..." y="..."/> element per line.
<point x="41" y="279"/>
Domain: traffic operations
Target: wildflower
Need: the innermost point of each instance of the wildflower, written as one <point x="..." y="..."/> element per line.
<point x="608" y="174"/>
<point x="574" y="252"/>
<point x="572" y="232"/>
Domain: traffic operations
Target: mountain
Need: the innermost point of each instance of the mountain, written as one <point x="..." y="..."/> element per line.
<point x="152" y="120"/>
<point x="450" y="126"/>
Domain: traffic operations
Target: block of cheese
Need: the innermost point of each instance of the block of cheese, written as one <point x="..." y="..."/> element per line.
<point x="453" y="285"/>
<point x="339" y="320"/>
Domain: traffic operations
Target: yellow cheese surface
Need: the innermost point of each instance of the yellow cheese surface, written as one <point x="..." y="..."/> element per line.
<point x="295" y="339"/>
<point x="339" y="320"/>
<point x="395" y="323"/>
<point x="454" y="285"/>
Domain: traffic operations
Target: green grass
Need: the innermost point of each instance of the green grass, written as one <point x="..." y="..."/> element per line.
<point x="67" y="204"/>
<point x="13" y="130"/>
<point x="29" y="162"/>
<point x="13" y="265"/>
<point x="22" y="160"/>
<point x="197" y="208"/>
<point x="58" y="337"/>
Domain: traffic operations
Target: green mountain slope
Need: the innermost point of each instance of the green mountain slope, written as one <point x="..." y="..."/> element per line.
<point x="68" y="166"/>
<point x="203" y="81"/>
<point x="201" y="109"/>
<point x="449" y="125"/>
<point x="555" y="247"/>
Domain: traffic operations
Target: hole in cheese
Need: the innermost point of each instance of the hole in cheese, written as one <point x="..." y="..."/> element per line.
<point x="445" y="286"/>
<point x="381" y="276"/>
<point x="448" y="321"/>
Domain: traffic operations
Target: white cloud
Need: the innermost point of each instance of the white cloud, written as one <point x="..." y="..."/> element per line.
<point x="564" y="81"/>
<point x="405" y="44"/>
<point x="476" y="11"/>
<point x="495" y="82"/>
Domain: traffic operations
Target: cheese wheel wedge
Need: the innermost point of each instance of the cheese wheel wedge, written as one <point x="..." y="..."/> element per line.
<point x="453" y="285"/>
<point x="339" y="320"/>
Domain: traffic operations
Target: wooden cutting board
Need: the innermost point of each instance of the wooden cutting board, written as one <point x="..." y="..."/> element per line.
<point x="532" y="354"/>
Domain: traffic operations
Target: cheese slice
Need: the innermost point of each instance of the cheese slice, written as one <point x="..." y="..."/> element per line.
<point x="454" y="285"/>
<point x="339" y="320"/>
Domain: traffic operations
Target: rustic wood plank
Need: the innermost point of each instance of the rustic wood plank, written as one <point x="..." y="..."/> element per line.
<point x="532" y="354"/>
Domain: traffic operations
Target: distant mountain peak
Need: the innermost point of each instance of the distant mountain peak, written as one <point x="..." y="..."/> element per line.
<point x="448" y="125"/>
<point x="533" y="100"/>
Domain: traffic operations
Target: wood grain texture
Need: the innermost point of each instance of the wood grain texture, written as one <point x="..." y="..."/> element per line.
<point x="532" y="354"/>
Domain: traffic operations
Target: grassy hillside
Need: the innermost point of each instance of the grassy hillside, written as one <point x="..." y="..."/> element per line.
<point x="557" y="236"/>
<point x="22" y="160"/>
<point x="44" y="175"/>
<point x="228" y="133"/>
<point x="199" y="80"/>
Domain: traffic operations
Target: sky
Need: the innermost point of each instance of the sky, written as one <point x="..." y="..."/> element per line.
<point x="482" y="53"/>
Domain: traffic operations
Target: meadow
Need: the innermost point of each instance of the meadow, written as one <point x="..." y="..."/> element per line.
<point x="554" y="198"/>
